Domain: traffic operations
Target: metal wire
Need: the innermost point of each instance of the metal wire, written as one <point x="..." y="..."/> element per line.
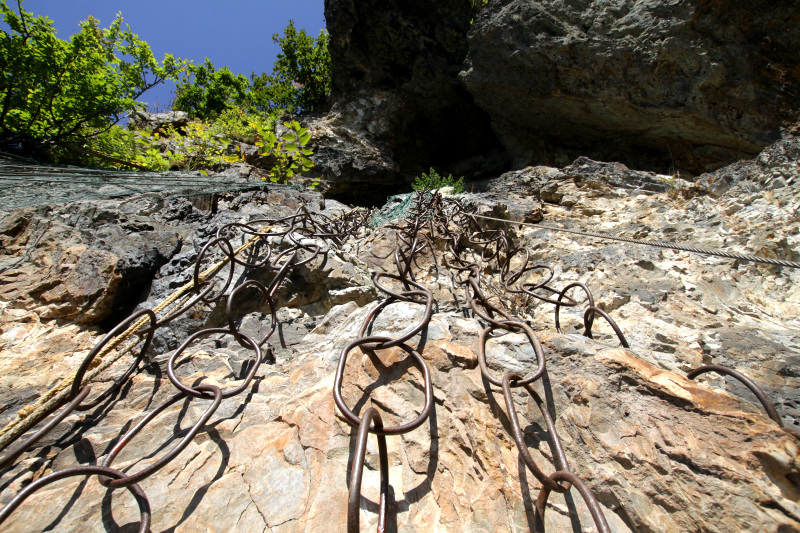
<point x="658" y="244"/>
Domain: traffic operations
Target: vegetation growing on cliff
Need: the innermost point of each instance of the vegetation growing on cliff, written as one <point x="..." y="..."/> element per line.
<point x="74" y="92"/>
<point x="433" y="180"/>
<point x="71" y="90"/>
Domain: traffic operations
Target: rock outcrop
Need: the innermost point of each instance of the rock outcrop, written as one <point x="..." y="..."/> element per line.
<point x="688" y="84"/>
<point x="661" y="452"/>
<point x="620" y="85"/>
<point x="395" y="81"/>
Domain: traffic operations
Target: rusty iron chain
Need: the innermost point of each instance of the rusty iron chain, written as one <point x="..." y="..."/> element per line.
<point x="288" y="242"/>
<point x="296" y="236"/>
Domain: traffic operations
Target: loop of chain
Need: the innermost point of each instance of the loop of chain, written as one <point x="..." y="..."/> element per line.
<point x="295" y="236"/>
<point x="370" y="415"/>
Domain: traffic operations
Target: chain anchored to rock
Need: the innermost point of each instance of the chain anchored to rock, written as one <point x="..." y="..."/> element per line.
<point x="277" y="246"/>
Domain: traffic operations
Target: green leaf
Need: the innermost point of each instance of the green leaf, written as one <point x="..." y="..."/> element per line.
<point x="304" y="138"/>
<point x="290" y="147"/>
<point x="308" y="151"/>
<point x="203" y="172"/>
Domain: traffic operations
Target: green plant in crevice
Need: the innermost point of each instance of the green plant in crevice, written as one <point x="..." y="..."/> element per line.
<point x="433" y="180"/>
<point x="289" y="152"/>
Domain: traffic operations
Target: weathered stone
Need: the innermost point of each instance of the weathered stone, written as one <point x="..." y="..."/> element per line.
<point x="279" y="460"/>
<point x="662" y="453"/>
<point x="683" y="85"/>
<point x="142" y="120"/>
<point x="395" y="81"/>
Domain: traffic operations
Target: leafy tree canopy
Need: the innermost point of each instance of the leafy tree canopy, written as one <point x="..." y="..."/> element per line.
<point x="301" y="77"/>
<point x="300" y="81"/>
<point x="205" y="92"/>
<point x="69" y="90"/>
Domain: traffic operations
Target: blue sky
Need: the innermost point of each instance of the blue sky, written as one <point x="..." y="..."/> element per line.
<point x="232" y="33"/>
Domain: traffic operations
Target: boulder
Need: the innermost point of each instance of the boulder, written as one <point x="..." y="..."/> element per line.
<point x="689" y="85"/>
<point x="142" y="120"/>
<point x="395" y="81"/>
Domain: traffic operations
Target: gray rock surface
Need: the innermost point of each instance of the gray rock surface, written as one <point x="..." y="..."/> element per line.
<point x="395" y="71"/>
<point x="142" y="120"/>
<point x="685" y="84"/>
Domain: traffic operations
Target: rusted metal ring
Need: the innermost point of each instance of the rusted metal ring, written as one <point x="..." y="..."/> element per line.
<point x="267" y="300"/>
<point x="516" y="432"/>
<point x="246" y="230"/>
<point x="574" y="303"/>
<point x="408" y="333"/>
<point x="196" y="393"/>
<point x="11" y="456"/>
<point x="83" y="470"/>
<point x="354" y="499"/>
<point x="479" y="298"/>
<point x="87" y="361"/>
<point x="404" y="296"/>
<point x="206" y="286"/>
<point x="356" y="421"/>
<point x="511" y="325"/>
<point x="128" y="480"/>
<point x="586" y="493"/>
<point x="223" y="243"/>
<point x="588" y="320"/>
<point x="747" y="382"/>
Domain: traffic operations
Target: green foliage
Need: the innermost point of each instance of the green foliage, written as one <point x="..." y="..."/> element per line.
<point x="59" y="90"/>
<point x="300" y="81"/>
<point x="433" y="181"/>
<point x="301" y="77"/>
<point x="132" y="146"/>
<point x="203" y="147"/>
<point x="289" y="152"/>
<point x="239" y="125"/>
<point x="205" y="92"/>
<point x="200" y="147"/>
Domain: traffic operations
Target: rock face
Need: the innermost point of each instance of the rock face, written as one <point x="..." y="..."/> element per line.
<point x="686" y="84"/>
<point x="395" y="71"/>
<point x="660" y="452"/>
<point x="142" y="120"/>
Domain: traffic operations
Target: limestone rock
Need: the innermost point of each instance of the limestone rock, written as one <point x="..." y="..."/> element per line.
<point x="142" y="120"/>
<point x="661" y="452"/>
<point x="395" y="71"/>
<point x="656" y="448"/>
<point x="687" y="84"/>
